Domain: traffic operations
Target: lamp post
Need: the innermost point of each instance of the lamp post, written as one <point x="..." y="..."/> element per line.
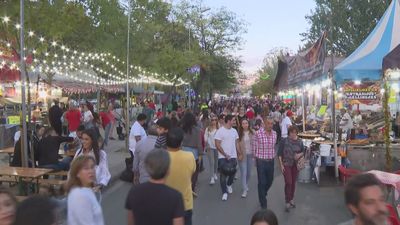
<point x="127" y="125"/>
<point x="24" y="132"/>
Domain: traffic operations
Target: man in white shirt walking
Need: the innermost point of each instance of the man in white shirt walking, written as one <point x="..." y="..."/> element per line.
<point x="137" y="133"/>
<point x="227" y="143"/>
<point x="285" y="124"/>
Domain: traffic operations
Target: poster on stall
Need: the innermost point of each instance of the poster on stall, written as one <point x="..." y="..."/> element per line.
<point x="365" y="93"/>
<point x="322" y="110"/>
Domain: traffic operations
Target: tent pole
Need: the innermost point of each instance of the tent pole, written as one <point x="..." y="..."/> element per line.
<point x="304" y="110"/>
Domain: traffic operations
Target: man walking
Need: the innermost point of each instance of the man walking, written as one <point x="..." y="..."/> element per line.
<point x="137" y="133"/>
<point x="154" y="202"/>
<point x="181" y="169"/>
<point x="263" y="145"/>
<point x="55" y="114"/>
<point x="227" y="143"/>
<point x="143" y="148"/>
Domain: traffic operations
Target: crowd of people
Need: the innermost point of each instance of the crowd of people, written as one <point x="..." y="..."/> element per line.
<point x="168" y="155"/>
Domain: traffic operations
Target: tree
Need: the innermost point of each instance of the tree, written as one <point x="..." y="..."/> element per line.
<point x="267" y="74"/>
<point x="351" y="21"/>
<point x="217" y="32"/>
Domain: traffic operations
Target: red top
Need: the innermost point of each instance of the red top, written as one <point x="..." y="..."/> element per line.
<point x="250" y="114"/>
<point x="159" y="115"/>
<point x="74" y="119"/>
<point x="105" y="119"/>
<point x="152" y="105"/>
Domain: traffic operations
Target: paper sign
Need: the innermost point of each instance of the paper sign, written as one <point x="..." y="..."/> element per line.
<point x="322" y="110"/>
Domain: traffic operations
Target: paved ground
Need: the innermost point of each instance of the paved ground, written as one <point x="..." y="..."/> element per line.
<point x="315" y="205"/>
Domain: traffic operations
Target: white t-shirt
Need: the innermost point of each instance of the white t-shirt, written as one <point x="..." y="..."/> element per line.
<point x="87" y="116"/>
<point x="346" y="125"/>
<point x="228" y="139"/>
<point x="83" y="207"/>
<point x="136" y="130"/>
<point x="285" y="124"/>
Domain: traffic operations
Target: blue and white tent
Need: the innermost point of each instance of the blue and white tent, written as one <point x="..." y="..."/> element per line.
<point x="365" y="63"/>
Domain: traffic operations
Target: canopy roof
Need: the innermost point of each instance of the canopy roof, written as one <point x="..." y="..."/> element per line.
<point x="365" y="63"/>
<point x="392" y="60"/>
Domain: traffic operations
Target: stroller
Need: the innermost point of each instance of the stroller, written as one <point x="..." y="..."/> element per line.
<point x="121" y="135"/>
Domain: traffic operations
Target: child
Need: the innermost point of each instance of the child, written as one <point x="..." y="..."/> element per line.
<point x="163" y="125"/>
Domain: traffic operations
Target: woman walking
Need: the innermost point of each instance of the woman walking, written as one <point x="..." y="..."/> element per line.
<point x="83" y="207"/>
<point x="246" y="161"/>
<point x="90" y="147"/>
<point x="192" y="142"/>
<point x="212" y="153"/>
<point x="290" y="149"/>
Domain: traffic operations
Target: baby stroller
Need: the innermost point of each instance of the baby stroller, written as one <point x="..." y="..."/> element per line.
<point x="121" y="135"/>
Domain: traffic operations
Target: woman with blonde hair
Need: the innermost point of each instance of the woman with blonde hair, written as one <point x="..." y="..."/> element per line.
<point x="83" y="207"/>
<point x="246" y="161"/>
<point x="212" y="153"/>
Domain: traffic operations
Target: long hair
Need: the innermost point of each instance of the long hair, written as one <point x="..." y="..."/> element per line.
<point x="187" y="122"/>
<point x="95" y="144"/>
<point x="241" y="131"/>
<point x="210" y="124"/>
<point x="76" y="166"/>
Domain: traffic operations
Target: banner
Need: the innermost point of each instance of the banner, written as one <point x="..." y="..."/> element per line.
<point x="365" y="93"/>
<point x="307" y="65"/>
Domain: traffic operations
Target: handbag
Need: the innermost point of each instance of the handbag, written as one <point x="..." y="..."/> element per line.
<point x="300" y="161"/>
<point x="228" y="167"/>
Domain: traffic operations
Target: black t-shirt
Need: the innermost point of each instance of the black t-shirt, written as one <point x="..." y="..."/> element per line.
<point x="154" y="204"/>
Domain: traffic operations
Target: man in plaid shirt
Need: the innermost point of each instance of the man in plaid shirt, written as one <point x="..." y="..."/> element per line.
<point x="263" y="145"/>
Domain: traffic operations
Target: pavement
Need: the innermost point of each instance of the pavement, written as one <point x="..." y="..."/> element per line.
<point x="316" y="204"/>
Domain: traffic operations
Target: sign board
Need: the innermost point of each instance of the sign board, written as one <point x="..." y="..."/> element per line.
<point x="365" y="93"/>
<point x="307" y="65"/>
<point x="322" y="110"/>
<point x="15" y="120"/>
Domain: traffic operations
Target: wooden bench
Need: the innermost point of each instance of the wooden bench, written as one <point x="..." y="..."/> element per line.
<point x="21" y="198"/>
<point x="59" y="173"/>
<point x="52" y="182"/>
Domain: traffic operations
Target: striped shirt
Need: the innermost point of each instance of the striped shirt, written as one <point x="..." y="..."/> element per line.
<point x="263" y="144"/>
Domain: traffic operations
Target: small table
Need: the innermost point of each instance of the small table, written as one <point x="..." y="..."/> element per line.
<point x="24" y="172"/>
<point x="392" y="180"/>
<point x="308" y="135"/>
<point x="9" y="151"/>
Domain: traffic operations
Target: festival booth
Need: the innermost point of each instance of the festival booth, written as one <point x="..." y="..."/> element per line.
<point x="359" y="79"/>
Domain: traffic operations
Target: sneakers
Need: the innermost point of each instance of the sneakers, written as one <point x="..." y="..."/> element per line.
<point x="225" y="197"/>
<point x="229" y="188"/>
<point x="194" y="194"/>
<point x="244" y="194"/>
<point x="215" y="177"/>
<point x="212" y="181"/>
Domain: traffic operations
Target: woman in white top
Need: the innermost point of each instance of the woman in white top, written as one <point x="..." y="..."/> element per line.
<point x="212" y="153"/>
<point x="246" y="161"/>
<point x="90" y="146"/>
<point x="83" y="207"/>
<point x="87" y="117"/>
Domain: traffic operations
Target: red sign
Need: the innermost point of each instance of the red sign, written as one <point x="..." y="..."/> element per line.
<point x="365" y="93"/>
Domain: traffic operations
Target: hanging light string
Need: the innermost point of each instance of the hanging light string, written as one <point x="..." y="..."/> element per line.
<point x="100" y="57"/>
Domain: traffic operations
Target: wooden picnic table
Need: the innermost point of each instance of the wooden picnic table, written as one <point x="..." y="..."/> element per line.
<point x="69" y="153"/>
<point x="9" y="151"/>
<point x="24" y="174"/>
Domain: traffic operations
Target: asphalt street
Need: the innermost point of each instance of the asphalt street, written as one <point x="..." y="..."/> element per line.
<point x="316" y="205"/>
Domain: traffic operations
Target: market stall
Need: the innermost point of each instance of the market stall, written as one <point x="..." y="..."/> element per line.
<point x="362" y="72"/>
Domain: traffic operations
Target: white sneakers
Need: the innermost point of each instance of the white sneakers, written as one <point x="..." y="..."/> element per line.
<point x="215" y="177"/>
<point x="229" y="188"/>
<point x="212" y="181"/>
<point x="224" y="197"/>
<point x="244" y="194"/>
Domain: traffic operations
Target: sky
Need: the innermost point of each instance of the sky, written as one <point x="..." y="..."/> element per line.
<point x="271" y="24"/>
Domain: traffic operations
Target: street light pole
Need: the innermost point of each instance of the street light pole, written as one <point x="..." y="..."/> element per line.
<point x="127" y="120"/>
<point x="24" y="132"/>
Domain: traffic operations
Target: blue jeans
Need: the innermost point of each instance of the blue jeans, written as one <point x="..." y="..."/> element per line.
<point x="195" y="151"/>
<point x="107" y="133"/>
<point x="188" y="217"/>
<point x="62" y="165"/>
<point x="225" y="180"/>
<point x="265" y="175"/>
<point x="245" y="170"/>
